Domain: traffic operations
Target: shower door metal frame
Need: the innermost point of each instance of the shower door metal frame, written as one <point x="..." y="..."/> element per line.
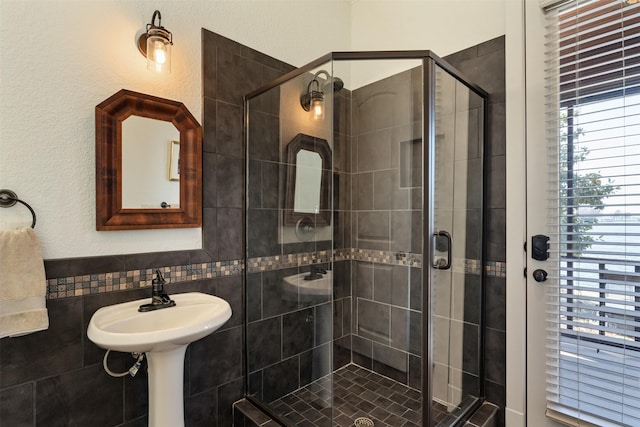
<point x="429" y="62"/>
<point x="428" y="168"/>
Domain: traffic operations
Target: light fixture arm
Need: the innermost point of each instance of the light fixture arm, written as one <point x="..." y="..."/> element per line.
<point x="311" y="82"/>
<point x="153" y="20"/>
<point x="315" y="76"/>
<point x="152" y="26"/>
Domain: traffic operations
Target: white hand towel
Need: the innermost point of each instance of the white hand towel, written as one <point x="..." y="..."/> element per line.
<point x="23" y="284"/>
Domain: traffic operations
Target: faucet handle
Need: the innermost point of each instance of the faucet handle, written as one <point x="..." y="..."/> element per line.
<point x="159" y="279"/>
<point x="315" y="269"/>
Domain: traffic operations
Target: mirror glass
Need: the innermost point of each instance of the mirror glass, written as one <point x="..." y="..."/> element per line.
<point x="149" y="164"/>
<point x="308" y="180"/>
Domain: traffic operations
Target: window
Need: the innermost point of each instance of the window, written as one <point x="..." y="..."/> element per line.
<point x="593" y="80"/>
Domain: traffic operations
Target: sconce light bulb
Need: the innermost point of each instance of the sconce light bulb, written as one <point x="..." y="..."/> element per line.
<point x="159" y="54"/>
<point x="318" y="109"/>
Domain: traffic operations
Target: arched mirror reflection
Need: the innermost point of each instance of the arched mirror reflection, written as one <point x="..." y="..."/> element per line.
<point x="308" y="180"/>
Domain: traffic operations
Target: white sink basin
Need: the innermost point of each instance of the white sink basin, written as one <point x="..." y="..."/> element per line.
<point x="163" y="335"/>
<point x="296" y="285"/>
<point x="122" y="327"/>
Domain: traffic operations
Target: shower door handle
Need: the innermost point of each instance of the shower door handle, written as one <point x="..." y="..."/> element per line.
<point x="441" y="244"/>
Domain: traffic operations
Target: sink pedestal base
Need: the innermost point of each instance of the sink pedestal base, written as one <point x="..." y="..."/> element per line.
<point x="166" y="372"/>
<point x="163" y="335"/>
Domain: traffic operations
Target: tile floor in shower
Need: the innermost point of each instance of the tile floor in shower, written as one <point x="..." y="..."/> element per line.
<point x="358" y="392"/>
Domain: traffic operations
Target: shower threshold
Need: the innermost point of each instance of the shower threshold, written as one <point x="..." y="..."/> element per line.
<point x="357" y="392"/>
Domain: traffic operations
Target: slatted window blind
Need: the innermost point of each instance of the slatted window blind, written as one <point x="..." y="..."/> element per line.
<point x="593" y="122"/>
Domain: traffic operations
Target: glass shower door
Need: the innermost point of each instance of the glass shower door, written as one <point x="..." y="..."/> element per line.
<point x="289" y="238"/>
<point x="456" y="245"/>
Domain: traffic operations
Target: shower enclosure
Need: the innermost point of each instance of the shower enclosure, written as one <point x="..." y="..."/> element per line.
<point x="364" y="285"/>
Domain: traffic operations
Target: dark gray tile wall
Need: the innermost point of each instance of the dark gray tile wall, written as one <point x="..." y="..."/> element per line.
<point x="385" y="124"/>
<point x="231" y="70"/>
<point x="484" y="64"/>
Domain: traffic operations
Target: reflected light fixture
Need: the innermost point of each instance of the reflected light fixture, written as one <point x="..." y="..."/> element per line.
<point x="156" y="44"/>
<point x="313" y="99"/>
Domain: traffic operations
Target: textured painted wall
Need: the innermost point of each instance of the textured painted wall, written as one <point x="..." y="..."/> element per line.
<point x="442" y="26"/>
<point x="445" y="26"/>
<point x="60" y="59"/>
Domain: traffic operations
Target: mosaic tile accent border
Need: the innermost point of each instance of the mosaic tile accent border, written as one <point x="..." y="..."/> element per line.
<point x="388" y="257"/>
<point x="279" y="262"/>
<point x="75" y="286"/>
<point x="497" y="269"/>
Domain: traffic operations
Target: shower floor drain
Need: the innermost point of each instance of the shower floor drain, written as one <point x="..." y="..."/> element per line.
<point x="362" y="422"/>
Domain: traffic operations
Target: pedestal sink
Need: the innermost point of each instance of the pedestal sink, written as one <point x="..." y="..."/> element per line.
<point x="164" y="336"/>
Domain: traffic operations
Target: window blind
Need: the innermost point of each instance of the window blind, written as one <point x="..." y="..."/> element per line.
<point x="593" y="129"/>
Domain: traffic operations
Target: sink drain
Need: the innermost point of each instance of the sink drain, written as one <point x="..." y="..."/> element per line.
<point x="363" y="422"/>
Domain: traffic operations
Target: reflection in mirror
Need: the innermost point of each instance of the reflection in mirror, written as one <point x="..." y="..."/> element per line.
<point x="308" y="174"/>
<point x="147" y="162"/>
<point x="308" y="180"/>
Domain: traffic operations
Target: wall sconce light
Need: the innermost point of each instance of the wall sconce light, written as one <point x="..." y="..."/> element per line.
<point x="313" y="99"/>
<point x="156" y="44"/>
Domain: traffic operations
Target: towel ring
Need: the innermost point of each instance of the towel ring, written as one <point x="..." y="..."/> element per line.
<point x="8" y="198"/>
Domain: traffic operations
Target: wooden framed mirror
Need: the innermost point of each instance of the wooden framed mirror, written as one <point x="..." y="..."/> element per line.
<point x="185" y="171"/>
<point x="308" y="180"/>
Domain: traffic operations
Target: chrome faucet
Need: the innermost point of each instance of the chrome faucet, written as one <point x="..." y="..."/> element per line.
<point x="159" y="298"/>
